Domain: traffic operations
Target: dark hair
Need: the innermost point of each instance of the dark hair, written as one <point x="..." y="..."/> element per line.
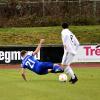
<point x="65" y="25"/>
<point x="23" y="52"/>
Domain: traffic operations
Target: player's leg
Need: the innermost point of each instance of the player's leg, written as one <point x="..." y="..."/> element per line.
<point x="55" y="68"/>
<point x="43" y="68"/>
<point x="66" y="61"/>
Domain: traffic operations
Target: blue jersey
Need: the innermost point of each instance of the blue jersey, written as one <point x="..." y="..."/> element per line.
<point x="36" y="66"/>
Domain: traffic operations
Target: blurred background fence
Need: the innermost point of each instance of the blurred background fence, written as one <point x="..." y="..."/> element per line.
<point x="20" y="13"/>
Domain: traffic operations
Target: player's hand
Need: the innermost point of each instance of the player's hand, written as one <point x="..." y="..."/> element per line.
<point x="42" y="40"/>
<point x="24" y="77"/>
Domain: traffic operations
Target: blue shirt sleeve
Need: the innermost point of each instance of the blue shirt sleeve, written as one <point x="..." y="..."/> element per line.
<point x="23" y="66"/>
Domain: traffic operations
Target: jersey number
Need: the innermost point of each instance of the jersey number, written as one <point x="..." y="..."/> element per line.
<point x="71" y="37"/>
<point x="30" y="63"/>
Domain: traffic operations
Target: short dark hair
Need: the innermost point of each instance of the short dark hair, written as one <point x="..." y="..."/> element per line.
<point x="23" y="52"/>
<point x="65" y="25"/>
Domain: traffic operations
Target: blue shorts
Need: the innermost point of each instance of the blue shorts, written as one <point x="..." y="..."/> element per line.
<point x="43" y="67"/>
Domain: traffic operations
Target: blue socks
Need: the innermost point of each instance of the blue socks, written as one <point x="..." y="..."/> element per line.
<point x="57" y="69"/>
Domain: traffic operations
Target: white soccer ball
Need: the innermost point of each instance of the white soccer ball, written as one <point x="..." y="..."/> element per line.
<point x="62" y="77"/>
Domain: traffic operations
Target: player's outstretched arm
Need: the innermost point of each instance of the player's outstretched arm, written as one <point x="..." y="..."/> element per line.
<point x="23" y="74"/>
<point x="38" y="47"/>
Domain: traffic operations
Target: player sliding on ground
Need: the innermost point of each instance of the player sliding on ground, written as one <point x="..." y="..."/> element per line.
<point x="39" y="67"/>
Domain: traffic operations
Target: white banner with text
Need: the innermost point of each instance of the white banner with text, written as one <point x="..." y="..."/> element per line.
<point x="87" y="53"/>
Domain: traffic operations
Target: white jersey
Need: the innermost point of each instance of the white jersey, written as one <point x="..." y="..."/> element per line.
<point x="70" y="41"/>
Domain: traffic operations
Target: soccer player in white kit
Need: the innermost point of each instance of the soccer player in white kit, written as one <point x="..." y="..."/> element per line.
<point x="71" y="45"/>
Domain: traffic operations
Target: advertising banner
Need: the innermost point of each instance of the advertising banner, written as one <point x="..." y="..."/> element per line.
<point x="85" y="53"/>
<point x="11" y="54"/>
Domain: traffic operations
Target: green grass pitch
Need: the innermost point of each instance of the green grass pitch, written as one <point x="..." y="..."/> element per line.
<point x="47" y="87"/>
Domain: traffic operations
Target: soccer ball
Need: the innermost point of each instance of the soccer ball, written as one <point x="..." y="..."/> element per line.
<point x="62" y="77"/>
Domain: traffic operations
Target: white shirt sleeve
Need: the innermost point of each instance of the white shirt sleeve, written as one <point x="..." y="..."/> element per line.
<point x="76" y="41"/>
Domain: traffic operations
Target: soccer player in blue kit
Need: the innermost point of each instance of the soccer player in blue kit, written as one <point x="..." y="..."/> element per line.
<point x="39" y="67"/>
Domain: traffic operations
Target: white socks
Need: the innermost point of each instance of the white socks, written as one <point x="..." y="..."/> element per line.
<point x="68" y="70"/>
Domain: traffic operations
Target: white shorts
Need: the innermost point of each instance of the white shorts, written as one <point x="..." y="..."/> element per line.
<point x="67" y="58"/>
